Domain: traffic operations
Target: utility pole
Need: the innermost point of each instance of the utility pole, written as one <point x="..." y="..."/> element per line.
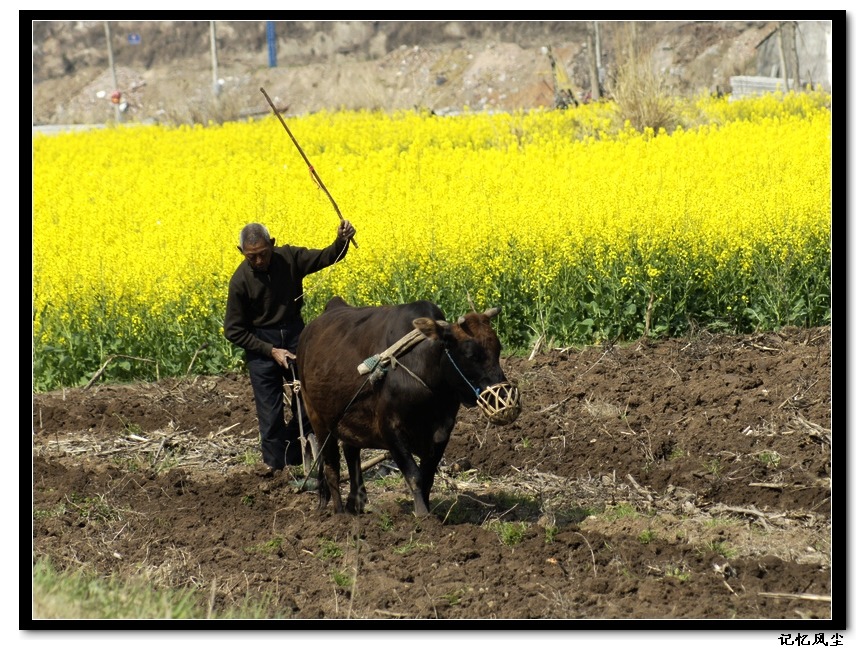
<point x="781" y="56"/>
<point x="797" y="84"/>
<point x="600" y="65"/>
<point x="113" y="72"/>
<point x="593" y="65"/>
<point x="216" y="86"/>
<point x="597" y="45"/>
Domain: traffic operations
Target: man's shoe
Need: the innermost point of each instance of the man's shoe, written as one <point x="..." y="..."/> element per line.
<point x="266" y="471"/>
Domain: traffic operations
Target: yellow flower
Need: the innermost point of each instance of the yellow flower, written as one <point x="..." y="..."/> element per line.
<point x="509" y="207"/>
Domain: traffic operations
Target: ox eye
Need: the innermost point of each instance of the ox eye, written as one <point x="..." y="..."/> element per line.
<point x="472" y="351"/>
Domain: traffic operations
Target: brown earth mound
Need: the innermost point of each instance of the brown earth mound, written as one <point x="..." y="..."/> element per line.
<point x="165" y="69"/>
<point x="678" y="479"/>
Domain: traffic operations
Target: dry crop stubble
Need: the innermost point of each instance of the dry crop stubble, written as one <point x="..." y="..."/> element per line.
<point x="598" y="531"/>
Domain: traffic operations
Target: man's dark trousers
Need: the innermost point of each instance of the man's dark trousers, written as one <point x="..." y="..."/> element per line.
<point x="280" y="445"/>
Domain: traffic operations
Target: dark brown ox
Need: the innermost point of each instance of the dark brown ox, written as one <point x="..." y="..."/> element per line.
<point x="407" y="408"/>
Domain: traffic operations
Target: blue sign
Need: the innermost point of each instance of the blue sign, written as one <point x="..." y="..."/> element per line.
<point x="134" y="39"/>
<point x="271" y="43"/>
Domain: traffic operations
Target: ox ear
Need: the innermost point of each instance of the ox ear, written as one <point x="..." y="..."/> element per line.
<point x="429" y="328"/>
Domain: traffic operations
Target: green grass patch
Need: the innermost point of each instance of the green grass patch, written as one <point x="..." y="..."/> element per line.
<point x="716" y="522"/>
<point x="391" y="481"/>
<point x="411" y="546"/>
<point x="621" y="511"/>
<point x="57" y="511"/>
<point x="713" y="467"/>
<point x="92" y="508"/>
<point x="270" y="547"/>
<point x="329" y="550"/>
<point x="679" y="573"/>
<point x="723" y="549"/>
<point x="454" y="597"/>
<point x="82" y="594"/>
<point x="385" y="522"/>
<point x="510" y="533"/>
<point x="770" y="459"/>
<point x="341" y="578"/>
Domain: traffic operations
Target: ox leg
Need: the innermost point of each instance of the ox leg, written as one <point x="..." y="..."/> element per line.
<point x="429" y="464"/>
<point x="411" y="473"/>
<point x="357" y="494"/>
<point x="328" y="462"/>
<point x="328" y="474"/>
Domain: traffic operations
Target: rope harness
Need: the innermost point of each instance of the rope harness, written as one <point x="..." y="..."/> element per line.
<point x="377" y="365"/>
<point x="499" y="402"/>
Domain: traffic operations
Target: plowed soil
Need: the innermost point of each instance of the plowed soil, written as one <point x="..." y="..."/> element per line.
<point x="676" y="479"/>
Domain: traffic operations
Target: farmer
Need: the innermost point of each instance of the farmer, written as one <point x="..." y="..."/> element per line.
<point x="262" y="316"/>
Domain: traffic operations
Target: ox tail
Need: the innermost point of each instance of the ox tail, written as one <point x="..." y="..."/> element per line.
<point x="323" y="489"/>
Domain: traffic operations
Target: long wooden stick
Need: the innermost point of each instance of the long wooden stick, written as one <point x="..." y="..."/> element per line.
<point x="312" y="171"/>
<point x="822" y="599"/>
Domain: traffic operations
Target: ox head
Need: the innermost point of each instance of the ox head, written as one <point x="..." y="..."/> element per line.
<point x="471" y="361"/>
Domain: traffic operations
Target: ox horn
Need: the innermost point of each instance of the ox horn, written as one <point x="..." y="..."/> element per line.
<point x="489" y="313"/>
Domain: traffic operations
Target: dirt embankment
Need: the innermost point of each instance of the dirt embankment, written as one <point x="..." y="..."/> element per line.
<point x="165" y="71"/>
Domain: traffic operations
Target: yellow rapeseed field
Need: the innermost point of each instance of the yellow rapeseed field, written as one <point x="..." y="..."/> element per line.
<point x="579" y="229"/>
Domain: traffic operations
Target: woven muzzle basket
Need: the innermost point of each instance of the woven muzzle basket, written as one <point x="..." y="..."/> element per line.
<point x="500" y="403"/>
